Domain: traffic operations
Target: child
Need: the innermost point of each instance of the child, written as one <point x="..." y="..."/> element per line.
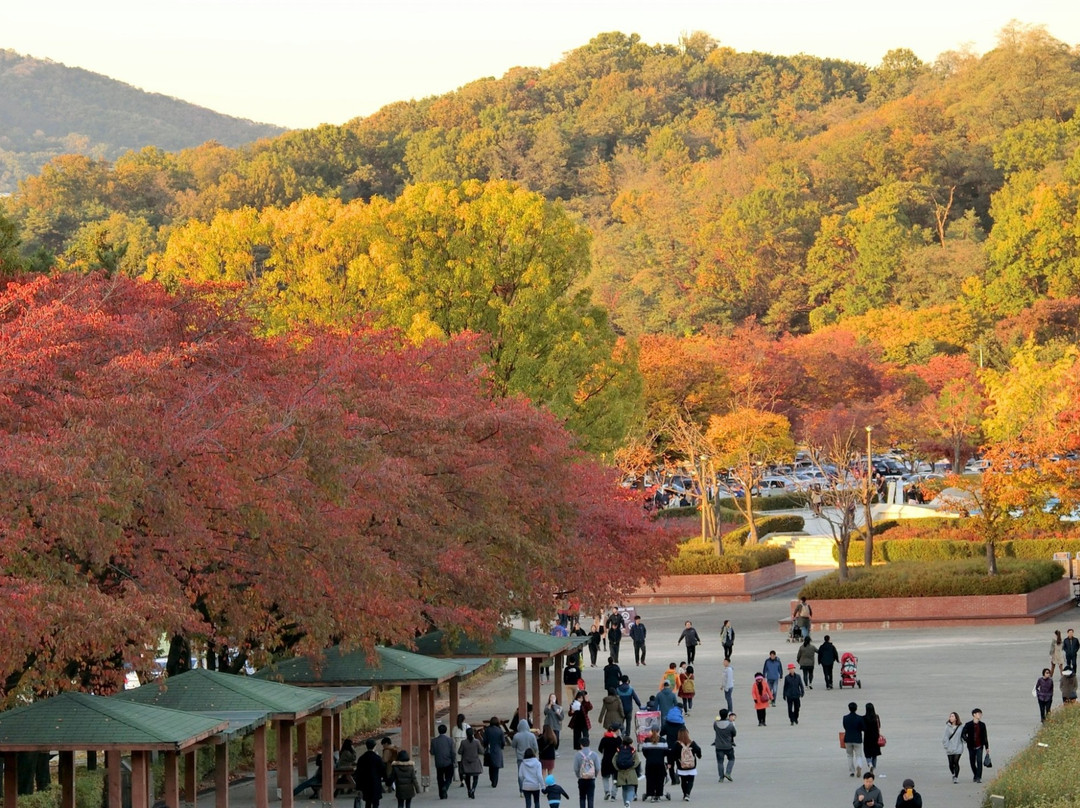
<point x="553" y="791"/>
<point x="687" y="689"/>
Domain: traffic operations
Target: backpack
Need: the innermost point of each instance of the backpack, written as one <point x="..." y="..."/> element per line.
<point x="687" y="760"/>
<point x="688" y="687"/>
<point x="587" y="769"/>
<point x="625" y="758"/>
<point x="670" y="676"/>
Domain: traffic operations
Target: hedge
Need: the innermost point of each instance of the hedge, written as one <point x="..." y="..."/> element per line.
<point x="786" y="523"/>
<point x="779" y="502"/>
<point x="698" y="558"/>
<point x="906" y="579"/>
<point x="1043" y="774"/>
<point x="890" y="550"/>
<point x="678" y="513"/>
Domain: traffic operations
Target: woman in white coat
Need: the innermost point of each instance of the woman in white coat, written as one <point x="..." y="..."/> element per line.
<point x="953" y="743"/>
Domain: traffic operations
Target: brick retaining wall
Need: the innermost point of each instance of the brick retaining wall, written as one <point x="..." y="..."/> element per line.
<point x="719" y="588"/>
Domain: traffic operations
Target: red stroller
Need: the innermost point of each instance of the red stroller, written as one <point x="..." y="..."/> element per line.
<point x="849" y="671"/>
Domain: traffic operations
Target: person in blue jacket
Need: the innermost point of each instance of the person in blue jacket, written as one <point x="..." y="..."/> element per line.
<point x="773" y="670"/>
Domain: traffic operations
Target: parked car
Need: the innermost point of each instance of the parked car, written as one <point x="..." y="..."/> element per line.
<point x="976" y="465"/>
<point x="768" y="486"/>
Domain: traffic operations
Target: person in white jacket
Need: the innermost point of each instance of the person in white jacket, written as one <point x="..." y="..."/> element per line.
<point x="953" y="743"/>
<point x="531" y="776"/>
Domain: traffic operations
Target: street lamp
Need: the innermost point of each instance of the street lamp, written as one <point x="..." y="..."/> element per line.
<point x="869" y="463"/>
<point x="868" y="557"/>
<point x="702" y="498"/>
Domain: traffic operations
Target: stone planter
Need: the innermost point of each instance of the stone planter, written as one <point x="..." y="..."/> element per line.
<point x="736" y="587"/>
<point x="973" y="610"/>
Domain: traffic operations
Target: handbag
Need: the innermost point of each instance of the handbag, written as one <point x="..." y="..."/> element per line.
<point x="842" y="744"/>
<point x="987" y="762"/>
<point x="881" y="740"/>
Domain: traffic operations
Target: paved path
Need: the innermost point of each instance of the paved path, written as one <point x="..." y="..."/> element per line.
<point x="914" y="677"/>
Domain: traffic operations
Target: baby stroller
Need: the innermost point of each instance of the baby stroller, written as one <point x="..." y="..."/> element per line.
<point x="795" y="633"/>
<point x="849" y="671"/>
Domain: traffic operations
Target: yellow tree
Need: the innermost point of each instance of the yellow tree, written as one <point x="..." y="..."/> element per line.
<point x="745" y="441"/>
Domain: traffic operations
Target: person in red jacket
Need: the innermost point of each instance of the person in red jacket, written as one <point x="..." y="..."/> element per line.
<point x="762" y="696"/>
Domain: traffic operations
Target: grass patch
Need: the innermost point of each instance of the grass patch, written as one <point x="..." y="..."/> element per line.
<point x="788" y="523"/>
<point x="906" y="579"/>
<point x="1044" y="776"/>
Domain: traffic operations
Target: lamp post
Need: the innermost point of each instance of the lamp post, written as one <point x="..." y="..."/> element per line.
<point x="868" y="546"/>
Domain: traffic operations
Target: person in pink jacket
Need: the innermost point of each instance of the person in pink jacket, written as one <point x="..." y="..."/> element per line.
<point x="762" y="697"/>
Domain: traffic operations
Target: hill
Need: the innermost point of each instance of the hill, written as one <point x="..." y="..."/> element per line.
<point x="47" y="109"/>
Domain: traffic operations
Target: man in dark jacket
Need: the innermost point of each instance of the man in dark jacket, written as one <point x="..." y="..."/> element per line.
<point x="853" y="730"/>
<point x="977" y="738"/>
<point x="1070" y="647"/>
<point x="612" y="674"/>
<point x="793" y="693"/>
<point x="442" y="749"/>
<point x="614" y="625"/>
<point x="637" y="634"/>
<point x="370" y="770"/>
<point x="868" y="795"/>
<point x="827" y="658"/>
<point x="690" y="635"/>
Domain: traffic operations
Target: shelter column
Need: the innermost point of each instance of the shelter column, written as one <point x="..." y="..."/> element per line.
<point x="455" y="700"/>
<point x="67" y="779"/>
<point x="138" y="779"/>
<point x="426" y="720"/>
<point x="523" y="711"/>
<point x="301" y="751"/>
<point x="406" y="720"/>
<point x="221" y="775"/>
<point x="172" y="779"/>
<point x="191" y="775"/>
<point x="258" y="743"/>
<point x="11" y="780"/>
<point x="284" y="762"/>
<point x="112" y="770"/>
<point x="537" y="667"/>
<point x="326" y="789"/>
<point x="559" y="659"/>
<point x="415" y="727"/>
<point x="337" y="730"/>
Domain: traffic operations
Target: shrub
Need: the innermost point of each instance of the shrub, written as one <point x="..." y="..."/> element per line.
<point x="890" y="550"/>
<point x="678" y="513"/>
<point x="788" y="523"/>
<point x="1042" y="775"/>
<point x="698" y="558"/>
<point x="779" y="502"/>
<point x="906" y="579"/>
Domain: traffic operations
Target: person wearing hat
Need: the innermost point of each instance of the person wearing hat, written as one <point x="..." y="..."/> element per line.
<point x="908" y="796"/>
<point x="1068" y="686"/>
<point x="762" y="696"/>
<point x="793" y="693"/>
<point x="868" y="795"/>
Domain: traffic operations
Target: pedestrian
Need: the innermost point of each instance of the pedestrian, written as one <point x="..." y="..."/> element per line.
<point x="1070" y="647"/>
<point x="686" y="755"/>
<point x="524" y="741"/>
<point x="494" y="740"/>
<point x="687" y="689"/>
<point x="724" y="743"/>
<point x="637" y="635"/>
<point x="547" y="745"/>
<point x="793" y="693"/>
<point x="729" y="684"/>
<point x="871" y="736"/>
<point x="553" y="716"/>
<point x="571" y="677"/>
<point x="369" y="777"/>
<point x="1068" y="686"/>
<point x="614" y="626"/>
<point x="612" y="674"/>
<point x="977" y="738"/>
<point x="607" y="749"/>
<point x="627" y="769"/>
<point x="457" y="734"/>
<point x="611" y="711"/>
<point x="665" y="700"/>
<point x="853" y="739"/>
<point x="553" y="791"/>
<point x="762" y="695"/>
<point x="827" y="658"/>
<point x="908" y="796"/>
<point x="389" y="754"/>
<point x="629" y="700"/>
<point x="801" y="617"/>
<point x="596" y="636"/>
<point x="1044" y="693"/>
<point x="531" y="778"/>
<point x="1057" y="653"/>
<point x="655" y="752"/>
<point x="868" y="795"/>
<point x="671" y="676"/>
<point x="806" y="656"/>
<point x="772" y="670"/>
<point x="690" y="636"/>
<point x="471" y="758"/>
<point x="953" y="742"/>
<point x="586" y="770"/>
<point x="442" y="749"/>
<point x="579" y="720"/>
<point x="403" y="779"/>
<point x="727" y="638"/>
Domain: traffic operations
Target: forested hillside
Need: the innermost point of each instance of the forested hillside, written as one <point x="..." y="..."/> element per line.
<point x="586" y="216"/>
<point x="48" y="109"/>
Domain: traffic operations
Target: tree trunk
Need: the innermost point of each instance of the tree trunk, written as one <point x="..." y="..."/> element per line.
<point x="752" y="538"/>
<point x="843" y="544"/>
<point x="179" y="659"/>
<point x="991" y="558"/>
<point x="715" y="522"/>
<point x="868" y="549"/>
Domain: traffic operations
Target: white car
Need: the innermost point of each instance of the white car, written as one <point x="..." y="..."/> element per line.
<point x="768" y="486"/>
<point x="976" y="465"/>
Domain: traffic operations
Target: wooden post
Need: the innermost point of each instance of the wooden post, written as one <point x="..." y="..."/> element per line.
<point x="560" y="658"/>
<point x="301" y="750"/>
<point x="406" y="720"/>
<point x="414" y="711"/>
<point x="523" y="707"/>
<point x="258" y="742"/>
<point x="221" y="774"/>
<point x="112" y="769"/>
<point x="537" y="667"/>
<point x="66" y="772"/>
<point x="138" y="779"/>
<point x="191" y="777"/>
<point x="284" y="762"/>
<point x="426" y="719"/>
<point x="337" y="730"/>
<point x="172" y="779"/>
<point x="455" y="701"/>
<point x="11" y="780"/>
<point x="326" y="790"/>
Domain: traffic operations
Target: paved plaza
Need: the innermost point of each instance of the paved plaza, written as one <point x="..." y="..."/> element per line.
<point x="914" y="678"/>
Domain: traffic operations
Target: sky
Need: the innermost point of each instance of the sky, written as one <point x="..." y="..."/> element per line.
<point x="298" y="63"/>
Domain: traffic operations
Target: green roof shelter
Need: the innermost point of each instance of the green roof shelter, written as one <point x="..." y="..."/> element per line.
<point x="75" y="722"/>
<point x="247" y="704"/>
<point x="416" y="675"/>
<point x="513" y="643"/>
